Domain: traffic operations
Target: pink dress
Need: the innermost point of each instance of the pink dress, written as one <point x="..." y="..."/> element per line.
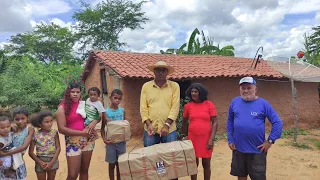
<point x="75" y="145"/>
<point x="200" y="127"/>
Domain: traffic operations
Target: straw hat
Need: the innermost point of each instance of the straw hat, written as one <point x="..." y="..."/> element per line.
<point x="161" y="64"/>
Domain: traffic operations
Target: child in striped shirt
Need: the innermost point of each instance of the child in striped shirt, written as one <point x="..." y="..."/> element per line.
<point x="94" y="112"/>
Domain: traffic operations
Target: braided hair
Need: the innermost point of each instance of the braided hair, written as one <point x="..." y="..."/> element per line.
<point x="203" y="91"/>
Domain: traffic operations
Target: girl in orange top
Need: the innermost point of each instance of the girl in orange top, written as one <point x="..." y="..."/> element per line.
<point x="203" y="125"/>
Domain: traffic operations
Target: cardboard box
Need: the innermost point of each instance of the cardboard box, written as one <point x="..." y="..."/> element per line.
<point x="118" y="131"/>
<point x="159" y="162"/>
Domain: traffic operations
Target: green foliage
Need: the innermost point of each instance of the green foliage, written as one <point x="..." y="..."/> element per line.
<point x="100" y="26"/>
<point x="47" y="43"/>
<point x="300" y="145"/>
<point x="217" y="138"/>
<point x="315" y="142"/>
<point x="180" y="117"/>
<point x="290" y="132"/>
<point x="225" y="136"/>
<point x="312" y="48"/>
<point x="195" y="47"/>
<point x="33" y="84"/>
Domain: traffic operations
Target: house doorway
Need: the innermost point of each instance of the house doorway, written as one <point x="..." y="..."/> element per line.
<point x="184" y="85"/>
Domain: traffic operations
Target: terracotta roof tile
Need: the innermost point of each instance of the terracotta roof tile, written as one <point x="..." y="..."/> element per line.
<point x="134" y="65"/>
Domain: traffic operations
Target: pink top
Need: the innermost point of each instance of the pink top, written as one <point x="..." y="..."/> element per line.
<point x="74" y="121"/>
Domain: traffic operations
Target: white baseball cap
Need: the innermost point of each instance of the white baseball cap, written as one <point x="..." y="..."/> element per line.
<point x="249" y="80"/>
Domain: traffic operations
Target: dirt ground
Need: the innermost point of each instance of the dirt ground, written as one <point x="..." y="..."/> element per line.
<point x="284" y="162"/>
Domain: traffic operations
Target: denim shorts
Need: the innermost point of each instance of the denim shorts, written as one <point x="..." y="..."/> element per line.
<point x="156" y="139"/>
<point x="113" y="151"/>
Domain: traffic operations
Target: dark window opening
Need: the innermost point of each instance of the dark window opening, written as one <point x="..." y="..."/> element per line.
<point x="184" y="85"/>
<point x="103" y="81"/>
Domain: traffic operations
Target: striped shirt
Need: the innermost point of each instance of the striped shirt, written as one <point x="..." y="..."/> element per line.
<point x="93" y="109"/>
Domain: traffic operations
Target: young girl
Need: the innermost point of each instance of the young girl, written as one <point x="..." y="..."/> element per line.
<point x="11" y="166"/>
<point x="113" y="150"/>
<point x="23" y="134"/>
<point x="47" y="143"/>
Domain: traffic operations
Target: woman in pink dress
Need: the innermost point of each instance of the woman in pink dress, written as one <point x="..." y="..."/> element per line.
<point x="71" y="124"/>
<point x="203" y="125"/>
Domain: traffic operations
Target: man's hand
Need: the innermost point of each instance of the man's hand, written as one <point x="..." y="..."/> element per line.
<point x="108" y="141"/>
<point x="164" y="131"/>
<point x="232" y="146"/>
<point x="265" y="146"/>
<point x="210" y="144"/>
<point x="150" y="129"/>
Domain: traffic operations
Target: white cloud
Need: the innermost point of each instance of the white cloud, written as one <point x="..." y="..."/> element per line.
<point x="47" y="7"/>
<point x="245" y="24"/>
<point x="318" y="17"/>
<point x="302" y="6"/>
<point x="13" y="16"/>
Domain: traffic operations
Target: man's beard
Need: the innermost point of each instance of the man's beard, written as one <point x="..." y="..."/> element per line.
<point x="248" y="97"/>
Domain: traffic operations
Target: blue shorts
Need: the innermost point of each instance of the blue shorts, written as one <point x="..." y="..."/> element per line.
<point x="113" y="151"/>
<point x="156" y="139"/>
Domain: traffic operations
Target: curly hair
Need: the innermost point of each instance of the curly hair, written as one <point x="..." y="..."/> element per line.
<point x="38" y="119"/>
<point x="67" y="101"/>
<point x="20" y="110"/>
<point x="203" y="91"/>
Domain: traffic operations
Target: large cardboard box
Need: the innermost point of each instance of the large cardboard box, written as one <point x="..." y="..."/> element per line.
<point x="159" y="162"/>
<point x="118" y="131"/>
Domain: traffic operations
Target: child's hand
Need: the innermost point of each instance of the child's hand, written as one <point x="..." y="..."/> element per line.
<point x="91" y="127"/>
<point x="14" y="127"/>
<point x="108" y="141"/>
<point x="49" y="165"/>
<point x="2" y="153"/>
<point x="43" y="164"/>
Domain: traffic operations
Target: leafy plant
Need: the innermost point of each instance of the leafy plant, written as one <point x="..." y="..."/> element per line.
<point x="225" y="136"/>
<point x="290" y="133"/>
<point x="180" y="117"/>
<point x="301" y="145"/>
<point x="217" y="138"/>
<point x="100" y="26"/>
<point x="195" y="47"/>
<point x="33" y="84"/>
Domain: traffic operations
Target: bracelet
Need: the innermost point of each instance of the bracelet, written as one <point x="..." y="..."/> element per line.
<point x="167" y="124"/>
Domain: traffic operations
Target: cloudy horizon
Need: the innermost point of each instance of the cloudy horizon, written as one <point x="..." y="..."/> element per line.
<point x="276" y="25"/>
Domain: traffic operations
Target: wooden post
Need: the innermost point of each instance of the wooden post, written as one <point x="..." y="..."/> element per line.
<point x="294" y="99"/>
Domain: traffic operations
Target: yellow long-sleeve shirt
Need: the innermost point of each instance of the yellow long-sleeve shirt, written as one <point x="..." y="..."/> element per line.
<point x="159" y="104"/>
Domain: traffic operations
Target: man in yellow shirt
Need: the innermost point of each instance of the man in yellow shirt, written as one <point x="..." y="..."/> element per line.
<point x="159" y="106"/>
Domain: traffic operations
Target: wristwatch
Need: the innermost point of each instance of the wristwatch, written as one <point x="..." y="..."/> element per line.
<point x="270" y="141"/>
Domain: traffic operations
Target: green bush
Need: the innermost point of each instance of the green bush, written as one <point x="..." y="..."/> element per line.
<point x="180" y="117"/>
<point x="33" y="84"/>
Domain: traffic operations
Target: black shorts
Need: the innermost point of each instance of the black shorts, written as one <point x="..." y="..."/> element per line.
<point x="244" y="164"/>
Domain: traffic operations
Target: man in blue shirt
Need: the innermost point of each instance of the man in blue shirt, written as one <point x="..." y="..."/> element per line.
<point x="246" y="132"/>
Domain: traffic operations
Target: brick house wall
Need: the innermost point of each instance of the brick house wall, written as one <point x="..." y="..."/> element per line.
<point x="221" y="92"/>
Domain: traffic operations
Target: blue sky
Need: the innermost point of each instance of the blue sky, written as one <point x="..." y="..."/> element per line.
<point x="277" y="25"/>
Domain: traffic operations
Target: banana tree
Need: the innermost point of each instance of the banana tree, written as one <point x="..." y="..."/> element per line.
<point x="195" y="47"/>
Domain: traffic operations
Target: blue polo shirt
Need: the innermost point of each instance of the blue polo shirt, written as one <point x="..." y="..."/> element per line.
<point x="246" y="124"/>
